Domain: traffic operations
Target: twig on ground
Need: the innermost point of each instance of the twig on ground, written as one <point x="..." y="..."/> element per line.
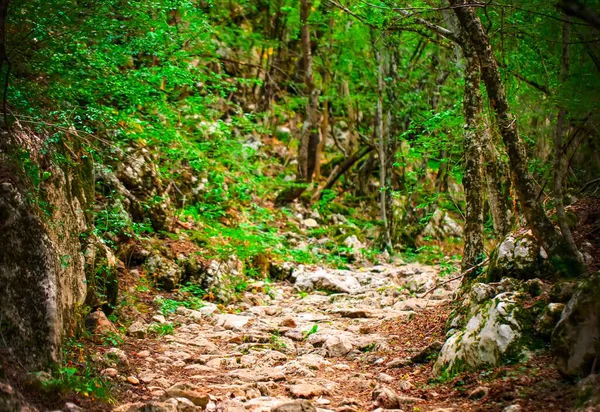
<point x="455" y="278"/>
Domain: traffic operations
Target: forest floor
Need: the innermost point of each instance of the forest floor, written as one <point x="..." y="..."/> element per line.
<point x="279" y="346"/>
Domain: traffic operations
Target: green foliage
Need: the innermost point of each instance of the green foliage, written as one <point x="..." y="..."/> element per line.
<point x="77" y="375"/>
<point x="311" y="331"/>
<point x="162" y="329"/>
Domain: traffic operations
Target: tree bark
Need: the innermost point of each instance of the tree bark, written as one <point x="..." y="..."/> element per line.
<point x="381" y="142"/>
<point x="498" y="202"/>
<point x="559" y="164"/>
<point x="309" y="133"/>
<point x="533" y="210"/>
<point x="325" y="111"/>
<point x="474" y="251"/>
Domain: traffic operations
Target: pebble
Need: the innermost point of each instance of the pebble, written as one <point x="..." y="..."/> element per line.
<point x="133" y="380"/>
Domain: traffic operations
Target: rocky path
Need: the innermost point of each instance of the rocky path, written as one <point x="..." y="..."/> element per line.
<point x="318" y="342"/>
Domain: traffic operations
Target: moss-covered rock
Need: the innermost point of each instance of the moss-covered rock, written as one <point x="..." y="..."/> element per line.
<point x="519" y="256"/>
<point x="576" y="339"/>
<point x="166" y="273"/>
<point x="495" y="333"/>
<point x="42" y="219"/>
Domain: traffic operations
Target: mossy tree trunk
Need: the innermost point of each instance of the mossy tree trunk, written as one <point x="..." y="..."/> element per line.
<point x="533" y="210"/>
<point x="473" y="178"/>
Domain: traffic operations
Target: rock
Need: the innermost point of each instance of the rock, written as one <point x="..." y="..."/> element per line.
<point x="166" y="272"/>
<point x="101" y="275"/>
<point x="388" y="399"/>
<point x="137" y="171"/>
<point x="513" y="408"/>
<point x="138" y="329"/>
<point x="491" y="336"/>
<point x="385" y="378"/>
<point x="118" y="357"/>
<point x="576" y="338"/>
<point x="354" y="248"/>
<point x="307" y="391"/>
<point x="160" y="319"/>
<point x="296" y="406"/>
<point x="177" y="390"/>
<point x="280" y="270"/>
<point x="259" y="375"/>
<point x="353" y="313"/>
<point x="42" y="269"/>
<point x="337" y="346"/>
<point x="479" y="392"/>
<point x="405" y="385"/>
<point x="159" y="407"/>
<point x="313" y="361"/>
<point x="588" y="394"/>
<point x="547" y="321"/>
<point x="97" y="323"/>
<point x="340" y="281"/>
<point x="129" y="407"/>
<point x="133" y="380"/>
<point x="534" y="287"/>
<point x="71" y="407"/>
<point x="310" y="223"/>
<point x="232" y="322"/>
<point x="288" y="322"/>
<point x="109" y="372"/>
<point x="518" y="256"/>
<point x="196" y="397"/>
<point x="480" y="292"/>
<point x="398" y="363"/>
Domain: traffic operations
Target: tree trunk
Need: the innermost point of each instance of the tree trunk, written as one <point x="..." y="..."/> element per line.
<point x="559" y="165"/>
<point x="473" y="180"/>
<point x="381" y="142"/>
<point x="325" y="87"/>
<point x="540" y="224"/>
<point x="309" y="133"/>
<point x="499" y="203"/>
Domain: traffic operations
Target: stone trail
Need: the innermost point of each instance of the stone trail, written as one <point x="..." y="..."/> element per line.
<point x="290" y="346"/>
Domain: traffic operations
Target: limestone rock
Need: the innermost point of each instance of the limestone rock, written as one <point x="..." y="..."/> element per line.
<point x="339" y="281"/>
<point x="118" y="357"/>
<point x="42" y="269"/>
<point x="491" y="335"/>
<point x="138" y="329"/>
<point x="71" y="407"/>
<point x="296" y="406"/>
<point x="337" y="346"/>
<point x="259" y="375"/>
<point x="307" y="390"/>
<point x="549" y="318"/>
<point x="310" y="223"/>
<point x="232" y="322"/>
<point x="576" y="339"/>
<point x="97" y="323"/>
<point x="519" y="256"/>
<point x="388" y="399"/>
<point x="588" y="394"/>
<point x="166" y="272"/>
